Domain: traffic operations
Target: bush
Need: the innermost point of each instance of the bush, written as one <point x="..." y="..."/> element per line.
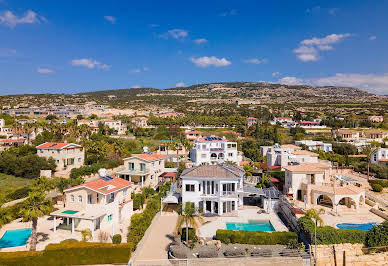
<point x="377" y="187"/>
<point x="235" y="252"/>
<point x="329" y="235"/>
<point x="169" y="165"/>
<point x="138" y="200"/>
<point x="69" y="241"/>
<point x="261" y="253"/>
<point x="255" y="237"/>
<point x="70" y="254"/>
<point x="209" y="252"/>
<point x="381" y="182"/>
<point x="192" y="235"/>
<point x="377" y="236"/>
<point x="116" y="239"/>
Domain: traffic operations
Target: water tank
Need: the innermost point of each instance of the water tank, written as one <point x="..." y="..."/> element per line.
<point x="102" y="172"/>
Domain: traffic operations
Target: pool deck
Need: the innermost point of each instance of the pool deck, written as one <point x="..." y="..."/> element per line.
<point x="209" y="228"/>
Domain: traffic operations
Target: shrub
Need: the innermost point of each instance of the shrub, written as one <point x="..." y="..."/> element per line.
<point x="169" y="165"/>
<point x="377" y="236"/>
<point x="179" y="251"/>
<point x="255" y="237"/>
<point x="192" y="235"/>
<point x="261" y="253"/>
<point x="209" y="252"/>
<point x="235" y="252"/>
<point x="70" y="254"/>
<point x="138" y="200"/>
<point x="68" y="241"/>
<point x="116" y="239"/>
<point x="381" y="182"/>
<point x="294" y="244"/>
<point x="377" y="187"/>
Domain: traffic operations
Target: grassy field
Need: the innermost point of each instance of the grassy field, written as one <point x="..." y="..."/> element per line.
<point x="9" y="184"/>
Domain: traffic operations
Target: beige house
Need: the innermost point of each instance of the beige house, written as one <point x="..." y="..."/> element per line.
<point x="348" y="135"/>
<point x="66" y="155"/>
<point x="102" y="204"/>
<point x="116" y="125"/>
<point x="376" y="135"/>
<point x="5" y="144"/>
<point x="143" y="169"/>
<point x="140" y="121"/>
<point x="314" y="184"/>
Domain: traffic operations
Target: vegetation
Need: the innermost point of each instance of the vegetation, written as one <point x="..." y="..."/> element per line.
<point x="188" y="216"/>
<point x="255" y="237"/>
<point x="116" y="239"/>
<point x="12" y="187"/>
<point x="377" y="236"/>
<point x="377" y="187"/>
<point x="75" y="253"/>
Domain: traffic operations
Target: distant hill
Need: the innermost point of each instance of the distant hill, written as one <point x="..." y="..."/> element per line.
<point x="120" y="92"/>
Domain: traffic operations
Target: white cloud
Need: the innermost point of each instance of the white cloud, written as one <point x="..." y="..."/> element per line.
<point x="45" y="70"/>
<point x="11" y="20"/>
<point x="89" y="63"/>
<point x="176" y="34"/>
<point x="138" y="70"/>
<point x="111" y="19"/>
<point x="231" y="12"/>
<point x="372" y="38"/>
<point x="309" y="48"/>
<point x="180" y="84"/>
<point x="371" y="82"/>
<point x="145" y="69"/>
<point x="200" y="41"/>
<point x="255" y="61"/>
<point x="136" y="87"/>
<point x="275" y="74"/>
<point x="7" y="52"/>
<point x="206" y="61"/>
<point x="290" y="81"/>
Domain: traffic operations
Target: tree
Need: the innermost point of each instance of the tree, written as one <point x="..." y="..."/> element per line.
<point x="377" y="236"/>
<point x="188" y="217"/>
<point x="315" y="214"/>
<point x="35" y="206"/>
<point x="369" y="151"/>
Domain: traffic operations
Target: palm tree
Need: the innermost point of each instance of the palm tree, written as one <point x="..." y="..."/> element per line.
<point x="35" y="206"/>
<point x="188" y="216"/>
<point x="314" y="214"/>
<point x="369" y="151"/>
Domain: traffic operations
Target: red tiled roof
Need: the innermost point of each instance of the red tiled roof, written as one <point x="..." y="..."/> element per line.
<point x="274" y="180"/>
<point x="274" y="167"/>
<point x="383" y="160"/>
<point x="11" y="140"/>
<point x="149" y="157"/>
<point x="244" y="163"/>
<point x="252" y="118"/>
<point x="102" y="185"/>
<point x="169" y="175"/>
<point x="125" y="202"/>
<point x="52" y="145"/>
<point x="284" y="117"/>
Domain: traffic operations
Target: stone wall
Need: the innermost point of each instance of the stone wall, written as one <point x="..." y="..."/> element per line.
<point x="347" y="254"/>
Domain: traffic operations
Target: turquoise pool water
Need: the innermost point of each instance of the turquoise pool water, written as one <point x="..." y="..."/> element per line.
<point x="364" y="227"/>
<point x="15" y="238"/>
<point x="264" y="226"/>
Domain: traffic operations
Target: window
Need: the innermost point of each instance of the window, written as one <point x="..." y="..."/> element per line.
<point x="190" y="188"/>
<point x="131" y="166"/>
<point x="199" y="188"/>
<point x="125" y="192"/>
<point x="111" y="197"/>
<point x="79" y="160"/>
<point x="72" y="198"/>
<point x="110" y="216"/>
<point x="142" y="167"/>
<point x="230" y="154"/>
<point x="79" y="198"/>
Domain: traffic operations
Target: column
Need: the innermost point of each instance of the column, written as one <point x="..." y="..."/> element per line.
<point x="93" y="226"/>
<point x="142" y="181"/>
<point x="219" y="208"/>
<point x="67" y="220"/>
<point x="72" y="225"/>
<point x="55" y="224"/>
<point x="212" y="206"/>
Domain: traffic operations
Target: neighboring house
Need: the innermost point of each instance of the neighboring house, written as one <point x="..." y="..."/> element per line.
<point x="213" y="150"/>
<point x="143" y="169"/>
<point x="116" y="125"/>
<point x="348" y="135"/>
<point x="380" y="156"/>
<point x="313" y="184"/>
<point x="66" y="155"/>
<point x="5" y="144"/>
<point x="140" y="121"/>
<point x="376" y="118"/>
<point x="311" y="124"/>
<point x="375" y="135"/>
<point x="171" y="152"/>
<point x="193" y="135"/>
<point x="90" y="123"/>
<point x="313" y="145"/>
<point x="251" y="121"/>
<point x="281" y="120"/>
<point x="287" y="155"/>
<point x="103" y="204"/>
<point x="170" y="114"/>
<point x="215" y="189"/>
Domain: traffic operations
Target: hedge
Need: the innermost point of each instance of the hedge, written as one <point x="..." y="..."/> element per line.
<point x="377" y="187"/>
<point x="86" y="170"/>
<point x="329" y="235"/>
<point x="255" y="237"/>
<point x="377" y="236"/>
<point x="70" y="254"/>
<point x="381" y="182"/>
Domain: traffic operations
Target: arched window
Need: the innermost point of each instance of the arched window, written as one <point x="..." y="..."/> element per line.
<point x="79" y="198"/>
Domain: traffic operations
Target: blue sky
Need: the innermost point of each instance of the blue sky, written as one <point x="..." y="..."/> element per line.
<point x="73" y="46"/>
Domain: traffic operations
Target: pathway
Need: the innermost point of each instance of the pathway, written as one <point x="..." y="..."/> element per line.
<point x="153" y="247"/>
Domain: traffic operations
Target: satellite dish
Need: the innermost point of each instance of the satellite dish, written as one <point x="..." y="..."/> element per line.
<point x="102" y="172"/>
<point x="145" y="149"/>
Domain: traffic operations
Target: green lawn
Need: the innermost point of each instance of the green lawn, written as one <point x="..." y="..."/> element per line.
<point x="9" y="184"/>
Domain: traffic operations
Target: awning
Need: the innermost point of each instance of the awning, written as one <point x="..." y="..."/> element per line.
<point x="253" y="191"/>
<point x="171" y="198"/>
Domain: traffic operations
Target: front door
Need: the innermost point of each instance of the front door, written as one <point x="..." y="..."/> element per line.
<point x="299" y="196"/>
<point x="208" y="206"/>
<point x="98" y="221"/>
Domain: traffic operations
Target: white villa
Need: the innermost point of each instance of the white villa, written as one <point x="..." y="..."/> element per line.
<point x="315" y="145"/>
<point x="214" y="150"/>
<point x="192" y="134"/>
<point x="143" y="169"/>
<point x="100" y="204"/>
<point x="314" y="184"/>
<point x="380" y="156"/>
<point x="216" y="189"/>
<point x="251" y="121"/>
<point x="66" y="155"/>
<point x="140" y="121"/>
<point x="116" y="125"/>
<point x="287" y="154"/>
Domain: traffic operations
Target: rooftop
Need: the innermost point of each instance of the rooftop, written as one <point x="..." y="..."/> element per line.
<point x="56" y="145"/>
<point x="147" y="156"/>
<point x="214" y="171"/>
<point x="104" y="186"/>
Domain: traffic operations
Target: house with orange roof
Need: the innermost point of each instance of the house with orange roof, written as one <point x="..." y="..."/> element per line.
<point x="192" y="134"/>
<point x="66" y="155"/>
<point x="140" y="121"/>
<point x="143" y="169"/>
<point x="251" y="121"/>
<point x="102" y="204"/>
<point x="5" y="144"/>
<point x="283" y="155"/>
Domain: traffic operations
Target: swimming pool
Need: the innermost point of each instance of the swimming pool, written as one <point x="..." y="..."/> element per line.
<point x="15" y="238"/>
<point x="364" y="227"/>
<point x="264" y="226"/>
